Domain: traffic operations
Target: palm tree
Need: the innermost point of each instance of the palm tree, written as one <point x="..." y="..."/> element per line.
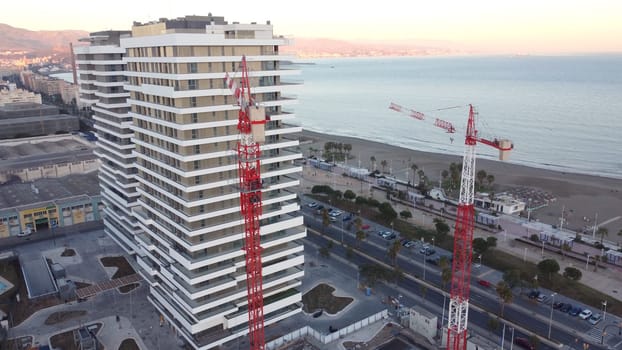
<point x="360" y="237"/>
<point x="421" y="174"/>
<point x="596" y="260"/>
<point x="393" y="251"/>
<point x="505" y="294"/>
<point x="481" y="175"/>
<point x="444" y="175"/>
<point x="565" y="248"/>
<point x="383" y="163"/>
<point x="602" y="232"/>
<point x="372" y="159"/>
<point x="325" y="219"/>
<point x="414" y="168"/>
<point x="490" y="178"/>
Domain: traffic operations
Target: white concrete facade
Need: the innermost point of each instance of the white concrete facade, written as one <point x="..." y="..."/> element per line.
<point x="184" y="124"/>
<point x="101" y="79"/>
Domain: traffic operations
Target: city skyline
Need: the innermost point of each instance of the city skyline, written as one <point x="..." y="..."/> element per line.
<point x="483" y="26"/>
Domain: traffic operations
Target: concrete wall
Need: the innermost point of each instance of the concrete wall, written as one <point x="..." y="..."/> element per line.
<point x="51" y="171"/>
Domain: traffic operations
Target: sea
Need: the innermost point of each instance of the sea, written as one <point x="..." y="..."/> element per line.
<point x="561" y="112"/>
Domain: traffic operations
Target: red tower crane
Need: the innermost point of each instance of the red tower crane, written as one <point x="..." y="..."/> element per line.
<point x="251" y="122"/>
<point x="465" y="217"/>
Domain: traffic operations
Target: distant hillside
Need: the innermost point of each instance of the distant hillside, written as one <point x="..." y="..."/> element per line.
<point x="311" y="47"/>
<point x="37" y="42"/>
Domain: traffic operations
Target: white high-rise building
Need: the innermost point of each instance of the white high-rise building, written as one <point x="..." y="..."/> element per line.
<point x="184" y="123"/>
<point x="101" y="77"/>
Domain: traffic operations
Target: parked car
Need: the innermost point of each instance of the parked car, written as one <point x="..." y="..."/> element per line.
<point x="424" y="249"/>
<point x="26" y="232"/>
<point x="430" y="251"/>
<point x="534" y="294"/>
<point x="365" y="227"/>
<point x="594" y="319"/>
<point x="319" y="209"/>
<point x="389" y="236"/>
<point x="574" y="311"/>
<point x="332" y="219"/>
<point x="524" y="343"/>
<point x="566" y="308"/>
<point x="312" y="205"/>
<point x="347" y="217"/>
<point x="484" y="283"/>
<point x="541" y="297"/>
<point x="585" y="314"/>
<point x="557" y="305"/>
<point x="335" y="213"/>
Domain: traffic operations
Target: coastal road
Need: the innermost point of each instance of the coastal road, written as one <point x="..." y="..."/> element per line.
<point x="523" y="312"/>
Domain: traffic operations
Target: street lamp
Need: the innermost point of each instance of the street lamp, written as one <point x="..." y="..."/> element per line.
<point x="587" y="262"/>
<point x="604" y="309"/>
<point x="543" y="248"/>
<point x="551" y="316"/>
<point x="432" y="242"/>
<point x="512" y="339"/>
<point x="391" y="227"/>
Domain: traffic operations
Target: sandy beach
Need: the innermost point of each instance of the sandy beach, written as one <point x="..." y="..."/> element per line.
<point x="580" y="196"/>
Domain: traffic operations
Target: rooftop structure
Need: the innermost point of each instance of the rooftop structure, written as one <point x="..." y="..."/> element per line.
<point x="11" y="94"/>
<point x="500" y="202"/>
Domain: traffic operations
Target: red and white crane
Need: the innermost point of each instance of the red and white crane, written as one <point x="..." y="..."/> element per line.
<point x="251" y="123"/>
<point x="465" y="220"/>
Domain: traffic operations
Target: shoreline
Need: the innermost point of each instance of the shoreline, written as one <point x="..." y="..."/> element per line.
<point x="581" y="196"/>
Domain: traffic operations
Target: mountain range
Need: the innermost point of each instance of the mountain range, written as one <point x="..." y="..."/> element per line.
<point x="38" y="43"/>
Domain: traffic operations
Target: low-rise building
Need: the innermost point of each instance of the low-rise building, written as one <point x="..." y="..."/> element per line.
<point x="9" y="93"/>
<point x="423" y="322"/>
<point x="49" y="203"/>
<point x="22" y="119"/>
<point x="500" y="203"/>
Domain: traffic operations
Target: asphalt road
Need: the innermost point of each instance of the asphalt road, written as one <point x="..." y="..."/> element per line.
<point x="522" y="311"/>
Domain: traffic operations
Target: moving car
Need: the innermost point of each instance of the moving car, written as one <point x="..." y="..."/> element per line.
<point x="408" y="244"/>
<point x="594" y="319"/>
<point x="319" y="209"/>
<point x="524" y="343"/>
<point x="541" y="297"/>
<point x="534" y="294"/>
<point x="585" y="314"/>
<point x="484" y="283"/>
<point x="312" y="205"/>
<point x="365" y="227"/>
<point x="557" y="305"/>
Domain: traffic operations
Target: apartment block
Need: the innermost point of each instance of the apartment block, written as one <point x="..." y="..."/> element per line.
<point x="189" y="242"/>
<point x="101" y="76"/>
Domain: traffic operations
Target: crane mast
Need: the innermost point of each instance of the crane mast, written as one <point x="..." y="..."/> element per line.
<point x="465" y="224"/>
<point x="463" y="241"/>
<point x="250" y="125"/>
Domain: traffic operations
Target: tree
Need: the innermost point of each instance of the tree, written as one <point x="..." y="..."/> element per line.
<point x="384" y="164"/>
<point x="414" y="168"/>
<point x="446" y="276"/>
<point x="512" y="278"/>
<point x="491" y="242"/>
<point x="325" y="252"/>
<point x="349" y="253"/>
<point x="387" y="211"/>
<point x="325" y="219"/>
<point x="373" y="273"/>
<point x="479" y="245"/>
<point x="490" y="178"/>
<point x="505" y="294"/>
<point x="393" y="251"/>
<point x="602" y="232"/>
<point x="347" y="148"/>
<point x="442" y="229"/>
<point x="360" y="237"/>
<point x="349" y="195"/>
<point x="481" y="175"/>
<point x="548" y="267"/>
<point x="572" y="273"/>
<point x="565" y="249"/>
<point x="406" y="214"/>
<point x="372" y="159"/>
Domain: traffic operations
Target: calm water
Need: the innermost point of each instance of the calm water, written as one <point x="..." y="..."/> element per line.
<point x="562" y="113"/>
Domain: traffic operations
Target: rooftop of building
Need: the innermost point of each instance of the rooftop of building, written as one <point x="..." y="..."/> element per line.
<point x="46" y="190"/>
<point x="106" y="37"/>
<point x="34" y="119"/>
<point x="26" y="109"/>
<point x="41" y="151"/>
<point x="186" y="22"/>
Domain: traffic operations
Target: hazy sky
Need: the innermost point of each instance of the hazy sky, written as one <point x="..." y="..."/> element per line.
<point x="526" y="26"/>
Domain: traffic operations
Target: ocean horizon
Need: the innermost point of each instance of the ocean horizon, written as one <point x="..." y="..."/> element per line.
<point x="561" y="112"/>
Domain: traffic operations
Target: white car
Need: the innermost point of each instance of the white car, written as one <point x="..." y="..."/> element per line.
<point x="26" y="232"/>
<point x="312" y="205"/>
<point x="585" y="314"/>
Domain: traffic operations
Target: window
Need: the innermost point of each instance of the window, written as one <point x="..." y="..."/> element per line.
<point x="197" y="164"/>
<point x="197" y="149"/>
<point x="193" y="101"/>
<point x="194" y="133"/>
<point x="192" y="84"/>
<point x="202" y="209"/>
<point x="195" y="117"/>
<point x="192" y="67"/>
<point x="197" y="180"/>
<point x="200" y="194"/>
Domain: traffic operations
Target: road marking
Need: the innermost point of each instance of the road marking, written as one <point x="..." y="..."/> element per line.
<point x="485" y="273"/>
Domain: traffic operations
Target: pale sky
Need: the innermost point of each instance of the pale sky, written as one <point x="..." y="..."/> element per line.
<point x="495" y="26"/>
